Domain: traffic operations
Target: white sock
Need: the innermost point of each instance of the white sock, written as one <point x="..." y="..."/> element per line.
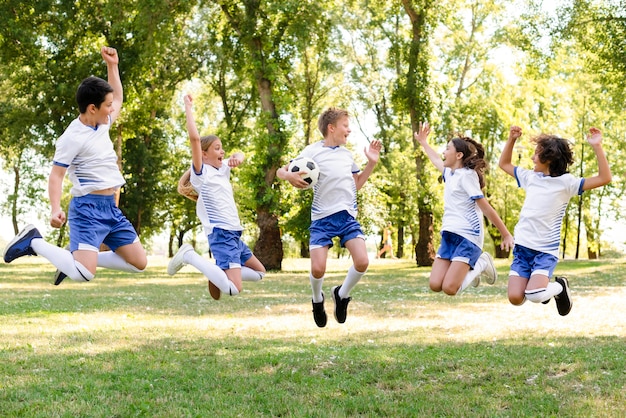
<point x="62" y="259"/>
<point x="316" y="287"/>
<point x="212" y="272"/>
<point x="249" y="275"/>
<point x="543" y="294"/>
<point x="352" y="278"/>
<point x="469" y="279"/>
<point x="110" y="260"/>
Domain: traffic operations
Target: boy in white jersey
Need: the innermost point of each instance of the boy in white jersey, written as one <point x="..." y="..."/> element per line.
<point x="85" y="152"/>
<point x="549" y="188"/>
<point x="209" y="177"/>
<point x="460" y="260"/>
<point x="334" y="208"/>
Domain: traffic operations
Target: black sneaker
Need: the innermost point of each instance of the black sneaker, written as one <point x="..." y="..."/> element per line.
<point x="20" y="245"/>
<point x="319" y="314"/>
<point x="341" y="305"/>
<point x="563" y="299"/>
<point x="59" y="276"/>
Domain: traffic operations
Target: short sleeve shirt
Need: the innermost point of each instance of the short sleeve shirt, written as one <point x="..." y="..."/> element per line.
<point x="335" y="190"/>
<point x="216" y="206"/>
<point x="539" y="225"/>
<point x="461" y="214"/>
<point x="89" y="157"/>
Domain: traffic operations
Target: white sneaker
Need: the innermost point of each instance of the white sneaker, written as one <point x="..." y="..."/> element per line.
<point x="178" y="261"/>
<point x="489" y="273"/>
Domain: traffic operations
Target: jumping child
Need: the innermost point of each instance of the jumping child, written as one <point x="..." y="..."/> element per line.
<point x="85" y="152"/>
<point x="549" y="187"/>
<point x="460" y="260"/>
<point x="334" y="208"/>
<point x="209" y="176"/>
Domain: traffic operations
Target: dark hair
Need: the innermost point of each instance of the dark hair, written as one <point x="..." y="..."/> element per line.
<point x="92" y="90"/>
<point x="330" y="116"/>
<point x="556" y="151"/>
<point x="473" y="156"/>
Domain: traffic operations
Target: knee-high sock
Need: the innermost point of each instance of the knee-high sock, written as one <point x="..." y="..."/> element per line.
<point x="249" y="275"/>
<point x="212" y="272"/>
<point x="352" y="278"/>
<point x="479" y="267"/>
<point x="110" y="260"/>
<point x="316" y="287"/>
<point x="61" y="259"/>
<point x="543" y="294"/>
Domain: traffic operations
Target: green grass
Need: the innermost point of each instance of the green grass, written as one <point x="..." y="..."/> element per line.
<point x="151" y="345"/>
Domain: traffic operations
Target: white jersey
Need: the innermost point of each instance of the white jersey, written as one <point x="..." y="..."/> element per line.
<point x="335" y="190"/>
<point x="461" y="214"/>
<point x="89" y="157"/>
<point x="216" y="203"/>
<point x="539" y="225"/>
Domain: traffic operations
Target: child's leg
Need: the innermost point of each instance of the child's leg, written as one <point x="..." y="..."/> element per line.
<point x="358" y="251"/>
<point x="112" y="260"/>
<point x="79" y="266"/>
<point x="253" y="270"/>
<point x="318" y="269"/>
<point x="132" y="254"/>
<point x="454" y="277"/>
<point x="234" y="275"/>
<point x="517" y="289"/>
<point x="437" y="274"/>
<point x="540" y="289"/>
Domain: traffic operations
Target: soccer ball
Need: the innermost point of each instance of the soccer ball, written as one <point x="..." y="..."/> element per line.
<point x="308" y="166"/>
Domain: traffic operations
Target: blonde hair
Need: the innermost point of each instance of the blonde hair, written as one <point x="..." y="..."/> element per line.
<point x="185" y="188"/>
<point x="330" y="117"/>
<point x="184" y="183"/>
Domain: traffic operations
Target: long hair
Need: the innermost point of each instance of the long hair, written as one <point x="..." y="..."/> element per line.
<point x="184" y="183"/>
<point x="473" y="156"/>
<point x="556" y="151"/>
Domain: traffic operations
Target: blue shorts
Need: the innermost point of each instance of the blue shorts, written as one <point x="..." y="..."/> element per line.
<point x="527" y="262"/>
<point x="340" y="224"/>
<point x="95" y="219"/>
<point x="228" y="248"/>
<point x="456" y="248"/>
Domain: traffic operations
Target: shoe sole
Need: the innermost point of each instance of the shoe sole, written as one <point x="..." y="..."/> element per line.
<point x="59" y="277"/>
<point x="215" y="292"/>
<point x="563" y="300"/>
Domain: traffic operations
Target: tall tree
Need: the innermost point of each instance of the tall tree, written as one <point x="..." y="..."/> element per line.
<point x="265" y="30"/>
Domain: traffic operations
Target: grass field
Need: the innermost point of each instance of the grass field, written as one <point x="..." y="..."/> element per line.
<point x="151" y="345"/>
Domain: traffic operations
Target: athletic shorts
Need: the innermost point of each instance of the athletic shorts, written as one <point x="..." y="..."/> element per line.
<point x="95" y="219"/>
<point x="527" y="262"/>
<point x="340" y="224"/>
<point x="228" y="248"/>
<point x="454" y="247"/>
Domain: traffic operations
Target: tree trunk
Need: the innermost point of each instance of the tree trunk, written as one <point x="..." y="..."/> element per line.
<point x="400" y="248"/>
<point x="269" y="246"/>
<point x="424" y="250"/>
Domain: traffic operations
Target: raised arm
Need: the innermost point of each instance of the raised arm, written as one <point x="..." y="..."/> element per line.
<point x="421" y="136"/>
<point x="491" y="214"/>
<point x="194" y="136"/>
<point x="505" y="158"/>
<point x="372" y="153"/>
<point x="113" y="73"/>
<point x="604" y="171"/>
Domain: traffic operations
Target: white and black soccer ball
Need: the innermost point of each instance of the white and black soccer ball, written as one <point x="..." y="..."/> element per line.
<point x="308" y="166"/>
